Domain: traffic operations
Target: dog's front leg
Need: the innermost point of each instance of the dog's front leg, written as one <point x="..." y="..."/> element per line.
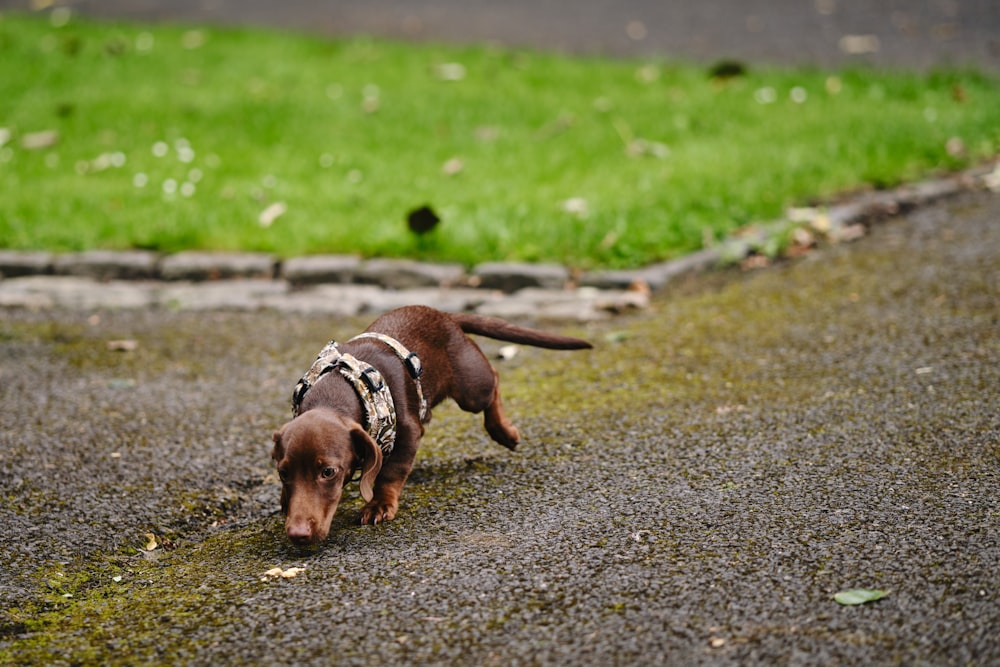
<point x="388" y="486"/>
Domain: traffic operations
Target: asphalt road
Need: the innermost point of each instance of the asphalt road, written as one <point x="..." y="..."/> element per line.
<point x="693" y="491"/>
<point x="908" y="34"/>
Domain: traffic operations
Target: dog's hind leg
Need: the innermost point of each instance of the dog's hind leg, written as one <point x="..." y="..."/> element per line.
<point x="497" y="424"/>
<point x="477" y="389"/>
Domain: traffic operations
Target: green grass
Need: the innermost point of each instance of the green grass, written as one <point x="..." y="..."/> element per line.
<point x="654" y="157"/>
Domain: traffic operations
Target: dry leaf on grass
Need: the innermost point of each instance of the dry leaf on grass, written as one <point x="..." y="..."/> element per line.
<point x="272" y="213"/>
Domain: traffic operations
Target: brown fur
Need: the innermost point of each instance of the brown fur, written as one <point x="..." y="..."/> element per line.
<point x="317" y="452"/>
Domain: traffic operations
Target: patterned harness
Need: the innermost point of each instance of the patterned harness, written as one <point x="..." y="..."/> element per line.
<point x="376" y="400"/>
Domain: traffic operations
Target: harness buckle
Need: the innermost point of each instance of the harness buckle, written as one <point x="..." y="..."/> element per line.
<point x="413" y="364"/>
<point x="372" y="379"/>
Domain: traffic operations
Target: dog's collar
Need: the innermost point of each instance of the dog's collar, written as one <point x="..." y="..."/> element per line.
<point x="376" y="400"/>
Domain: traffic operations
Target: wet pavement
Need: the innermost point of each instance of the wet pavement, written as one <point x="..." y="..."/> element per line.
<point x="693" y="491"/>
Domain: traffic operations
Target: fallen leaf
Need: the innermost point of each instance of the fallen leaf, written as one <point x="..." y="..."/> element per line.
<point x="640" y="147"/>
<point x="486" y="133"/>
<point x="647" y="74"/>
<point x="125" y="345"/>
<point x="847" y="233"/>
<point x="859" y="44"/>
<point x="272" y="213"/>
<point x="639" y="286"/>
<point x="856" y="596"/>
<point x="803" y="237"/>
<point x="955" y="147"/>
<point x="453" y="167"/>
<point x="992" y="179"/>
<point x="151" y="542"/>
<point x="450" y="71"/>
<point x="38" y="140"/>
<point x="636" y="31"/>
<point x="193" y="39"/>
<point x="577" y="206"/>
<point x="507" y="352"/>
<point x="802" y="214"/>
<point x="753" y="262"/>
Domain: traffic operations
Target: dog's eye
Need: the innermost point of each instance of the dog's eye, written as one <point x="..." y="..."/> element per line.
<point x="329" y="472"/>
<point x="283" y="475"/>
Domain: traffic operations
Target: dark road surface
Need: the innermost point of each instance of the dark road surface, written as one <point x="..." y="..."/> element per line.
<point x="693" y="491"/>
<point x="825" y="32"/>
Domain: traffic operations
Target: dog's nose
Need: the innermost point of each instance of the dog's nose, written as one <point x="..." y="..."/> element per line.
<point x="299" y="533"/>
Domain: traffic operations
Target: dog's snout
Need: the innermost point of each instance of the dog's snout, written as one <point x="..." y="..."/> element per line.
<point x="300" y="532"/>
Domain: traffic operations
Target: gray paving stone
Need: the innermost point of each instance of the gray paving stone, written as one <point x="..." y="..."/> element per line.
<point x="512" y="276"/>
<point x="657" y="276"/>
<point x="220" y="294"/>
<point x="453" y="300"/>
<point x="620" y="301"/>
<point x="539" y="303"/>
<point x="75" y="293"/>
<point x="611" y="279"/>
<point x="15" y="263"/>
<point x="518" y="309"/>
<point x="108" y="264"/>
<point x="318" y="269"/>
<point x="198" y="266"/>
<point x="408" y="274"/>
<point x="337" y="300"/>
<point x="19" y="293"/>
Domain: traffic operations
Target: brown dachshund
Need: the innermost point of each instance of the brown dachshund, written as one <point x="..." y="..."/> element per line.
<point x="362" y="407"/>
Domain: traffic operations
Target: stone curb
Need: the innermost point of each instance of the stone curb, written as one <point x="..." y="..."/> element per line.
<point x="346" y="285"/>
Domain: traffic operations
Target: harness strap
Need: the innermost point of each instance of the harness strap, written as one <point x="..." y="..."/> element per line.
<point x="376" y="400"/>
<point x="409" y="359"/>
<point x="380" y="411"/>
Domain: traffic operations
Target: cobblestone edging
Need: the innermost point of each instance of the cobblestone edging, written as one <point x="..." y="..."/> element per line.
<point x="347" y="285"/>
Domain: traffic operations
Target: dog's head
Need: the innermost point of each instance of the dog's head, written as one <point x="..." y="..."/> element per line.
<point x="316" y="454"/>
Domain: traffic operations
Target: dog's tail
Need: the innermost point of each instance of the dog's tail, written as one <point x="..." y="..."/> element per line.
<point x="494" y="327"/>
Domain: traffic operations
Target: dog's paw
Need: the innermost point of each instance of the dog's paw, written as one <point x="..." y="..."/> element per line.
<point x="376" y="512"/>
<point x="505" y="434"/>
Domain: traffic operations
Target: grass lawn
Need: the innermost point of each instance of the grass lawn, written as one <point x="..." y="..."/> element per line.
<point x="170" y="138"/>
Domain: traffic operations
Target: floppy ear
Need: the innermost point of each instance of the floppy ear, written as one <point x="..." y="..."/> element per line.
<point x="369" y="452"/>
<point x="278" y="451"/>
